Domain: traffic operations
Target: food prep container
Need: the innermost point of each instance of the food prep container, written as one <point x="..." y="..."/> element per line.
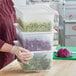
<point x="41" y="61"/>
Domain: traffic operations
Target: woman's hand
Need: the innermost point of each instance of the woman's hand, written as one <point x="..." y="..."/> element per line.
<point x="22" y="54"/>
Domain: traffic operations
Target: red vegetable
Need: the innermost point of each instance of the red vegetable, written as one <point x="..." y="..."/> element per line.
<point x="63" y="52"/>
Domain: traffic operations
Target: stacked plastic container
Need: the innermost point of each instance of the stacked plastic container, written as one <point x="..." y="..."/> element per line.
<point x="36" y="35"/>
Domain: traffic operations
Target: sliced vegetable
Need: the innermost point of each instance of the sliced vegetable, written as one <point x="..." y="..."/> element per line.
<point x="63" y="52"/>
<point x="36" y="26"/>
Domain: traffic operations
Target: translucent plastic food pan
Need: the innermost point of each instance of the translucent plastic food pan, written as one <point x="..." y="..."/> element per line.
<point x="36" y="18"/>
<point x="41" y="61"/>
<point x="42" y="41"/>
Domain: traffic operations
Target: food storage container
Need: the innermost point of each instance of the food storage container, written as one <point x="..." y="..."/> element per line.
<point x="41" y="61"/>
<point x="36" y="18"/>
<point x="36" y="41"/>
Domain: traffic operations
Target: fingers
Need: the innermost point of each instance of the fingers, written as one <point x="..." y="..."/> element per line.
<point x="24" y="55"/>
<point x="24" y="58"/>
<point x="24" y="50"/>
<point x="27" y="56"/>
<point x="24" y="62"/>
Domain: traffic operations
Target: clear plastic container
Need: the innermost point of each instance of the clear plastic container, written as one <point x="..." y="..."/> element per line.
<point x="36" y="18"/>
<point x="41" y="61"/>
<point x="36" y="41"/>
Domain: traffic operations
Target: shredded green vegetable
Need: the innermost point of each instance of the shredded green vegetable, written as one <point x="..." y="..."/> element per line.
<point x="37" y="63"/>
<point x="36" y="26"/>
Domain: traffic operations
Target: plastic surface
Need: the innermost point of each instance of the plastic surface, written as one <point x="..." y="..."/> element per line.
<point x="42" y="41"/>
<point x="41" y="61"/>
<point x="35" y="17"/>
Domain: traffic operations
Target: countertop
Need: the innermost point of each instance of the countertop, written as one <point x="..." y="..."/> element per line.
<point x="59" y="68"/>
